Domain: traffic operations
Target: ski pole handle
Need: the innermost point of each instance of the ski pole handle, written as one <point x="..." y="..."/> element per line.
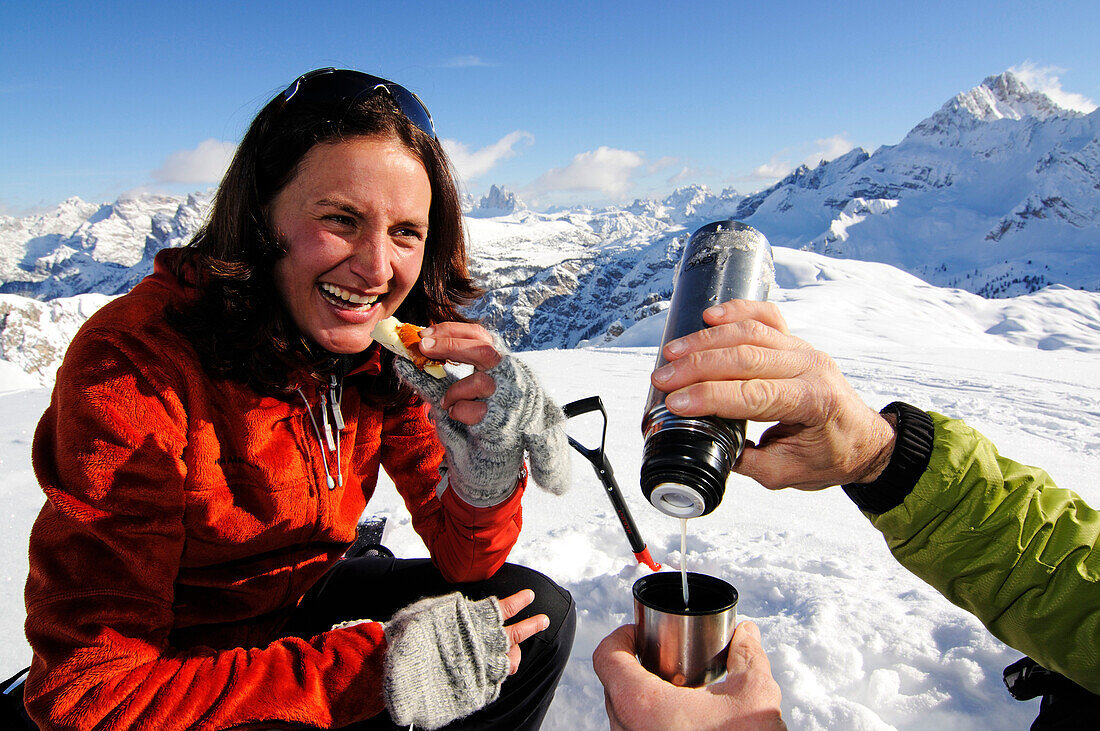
<point x="607" y="478"/>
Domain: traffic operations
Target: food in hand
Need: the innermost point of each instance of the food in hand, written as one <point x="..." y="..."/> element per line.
<point x="404" y="340"/>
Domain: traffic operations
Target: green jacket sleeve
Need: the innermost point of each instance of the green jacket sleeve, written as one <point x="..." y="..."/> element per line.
<point x="1002" y="541"/>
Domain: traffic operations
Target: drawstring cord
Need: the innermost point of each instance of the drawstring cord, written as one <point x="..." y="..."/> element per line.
<point x="336" y="391"/>
<point x="329" y="439"/>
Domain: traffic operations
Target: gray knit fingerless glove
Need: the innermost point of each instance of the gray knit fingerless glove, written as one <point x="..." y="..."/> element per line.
<point x="484" y="460"/>
<point x="446" y="658"/>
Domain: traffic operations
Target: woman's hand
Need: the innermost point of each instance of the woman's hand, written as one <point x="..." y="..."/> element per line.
<point x="520" y="631"/>
<point x="637" y="700"/>
<point x="488" y="420"/>
<point x="468" y="343"/>
<point x="447" y="656"/>
<point x="747" y="365"/>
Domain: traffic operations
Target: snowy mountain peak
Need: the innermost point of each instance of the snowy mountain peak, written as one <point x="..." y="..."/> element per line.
<point x="1005" y="96"/>
<point x="689" y="205"/>
<point x="73" y="202"/>
<point x="499" y="201"/>
<point x="1001" y="97"/>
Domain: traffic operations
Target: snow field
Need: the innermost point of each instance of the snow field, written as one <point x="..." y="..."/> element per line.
<point x="855" y="641"/>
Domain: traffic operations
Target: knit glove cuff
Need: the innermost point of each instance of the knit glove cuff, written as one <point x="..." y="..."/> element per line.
<point x="446" y="658"/>
<point x="485" y="460"/>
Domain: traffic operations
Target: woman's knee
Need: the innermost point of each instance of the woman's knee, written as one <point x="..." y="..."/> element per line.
<point x="551" y="599"/>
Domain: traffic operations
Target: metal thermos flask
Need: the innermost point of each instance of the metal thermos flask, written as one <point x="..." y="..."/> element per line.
<point x="685" y="461"/>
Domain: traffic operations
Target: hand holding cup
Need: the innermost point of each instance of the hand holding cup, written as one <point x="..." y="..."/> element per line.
<point x="637" y="700"/>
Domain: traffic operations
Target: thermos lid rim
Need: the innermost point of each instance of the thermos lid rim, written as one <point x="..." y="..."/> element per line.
<point x="677" y="500"/>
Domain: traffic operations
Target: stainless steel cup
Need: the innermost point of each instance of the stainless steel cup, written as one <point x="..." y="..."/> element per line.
<point x="687" y="646"/>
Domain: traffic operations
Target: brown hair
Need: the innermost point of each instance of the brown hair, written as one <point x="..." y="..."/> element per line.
<point x="238" y="322"/>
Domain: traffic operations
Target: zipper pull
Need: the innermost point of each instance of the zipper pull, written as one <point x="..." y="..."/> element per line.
<point x="325" y="423"/>
<point x="337" y="414"/>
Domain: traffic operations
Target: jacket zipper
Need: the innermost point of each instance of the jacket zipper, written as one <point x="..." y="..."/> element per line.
<point x="328" y="438"/>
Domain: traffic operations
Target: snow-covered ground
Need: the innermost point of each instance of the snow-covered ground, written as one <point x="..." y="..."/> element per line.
<point x="855" y="641"/>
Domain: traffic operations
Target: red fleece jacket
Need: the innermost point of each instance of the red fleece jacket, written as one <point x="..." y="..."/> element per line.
<point x="186" y="516"/>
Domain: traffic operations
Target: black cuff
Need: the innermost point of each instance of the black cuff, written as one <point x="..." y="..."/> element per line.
<point x="912" y="450"/>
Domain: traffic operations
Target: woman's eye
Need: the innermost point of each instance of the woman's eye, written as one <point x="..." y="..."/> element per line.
<point x="413" y="233"/>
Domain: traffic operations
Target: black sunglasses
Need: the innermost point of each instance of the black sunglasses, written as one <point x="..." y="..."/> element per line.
<point x="329" y="84"/>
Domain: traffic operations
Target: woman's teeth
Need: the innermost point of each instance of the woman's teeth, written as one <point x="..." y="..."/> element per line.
<point x="348" y="300"/>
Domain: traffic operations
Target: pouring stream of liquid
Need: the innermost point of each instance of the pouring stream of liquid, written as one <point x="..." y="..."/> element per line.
<point x="683" y="558"/>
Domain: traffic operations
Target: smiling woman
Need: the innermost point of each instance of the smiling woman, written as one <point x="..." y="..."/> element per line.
<point x="216" y="433"/>
<point x="353" y="222"/>
<point x="333" y="154"/>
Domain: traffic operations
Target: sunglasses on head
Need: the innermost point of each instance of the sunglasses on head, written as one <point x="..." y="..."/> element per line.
<point x="329" y="84"/>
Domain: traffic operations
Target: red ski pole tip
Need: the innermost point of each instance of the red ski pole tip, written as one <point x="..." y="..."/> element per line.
<point x="644" y="557"/>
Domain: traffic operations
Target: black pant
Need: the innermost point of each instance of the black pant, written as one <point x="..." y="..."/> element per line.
<point x="376" y="587"/>
<point x="1066" y="706"/>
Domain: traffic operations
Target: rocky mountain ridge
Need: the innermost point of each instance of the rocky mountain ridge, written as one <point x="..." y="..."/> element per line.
<point x="81" y="247"/>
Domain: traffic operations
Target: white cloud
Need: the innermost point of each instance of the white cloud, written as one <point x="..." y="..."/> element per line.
<point x="204" y="164"/>
<point x="772" y="169"/>
<point x="829" y="148"/>
<point x="460" y="62"/>
<point x="1045" y="79"/>
<point x="605" y="169"/>
<point x="779" y="166"/>
<point x="685" y="173"/>
<point x="668" y="161"/>
<point x="472" y="165"/>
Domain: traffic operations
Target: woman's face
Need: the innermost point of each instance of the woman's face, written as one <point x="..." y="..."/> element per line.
<point x="353" y="220"/>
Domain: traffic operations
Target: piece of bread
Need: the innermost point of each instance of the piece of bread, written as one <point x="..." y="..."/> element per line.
<point x="404" y="340"/>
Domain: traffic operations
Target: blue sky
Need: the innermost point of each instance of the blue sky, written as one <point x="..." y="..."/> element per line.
<point x="564" y="102"/>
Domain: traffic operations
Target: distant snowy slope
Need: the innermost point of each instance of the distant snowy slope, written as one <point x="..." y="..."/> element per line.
<point x="81" y="247"/>
<point x="871" y="307"/>
<point x="998" y="193"/>
<point x="34" y="335"/>
<point x="855" y="641"/>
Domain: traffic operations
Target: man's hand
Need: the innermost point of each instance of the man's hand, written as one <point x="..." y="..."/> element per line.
<point x="747" y="365"/>
<point x="637" y="700"/>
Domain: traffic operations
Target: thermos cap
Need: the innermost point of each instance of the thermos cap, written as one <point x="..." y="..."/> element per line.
<point x="679" y="501"/>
